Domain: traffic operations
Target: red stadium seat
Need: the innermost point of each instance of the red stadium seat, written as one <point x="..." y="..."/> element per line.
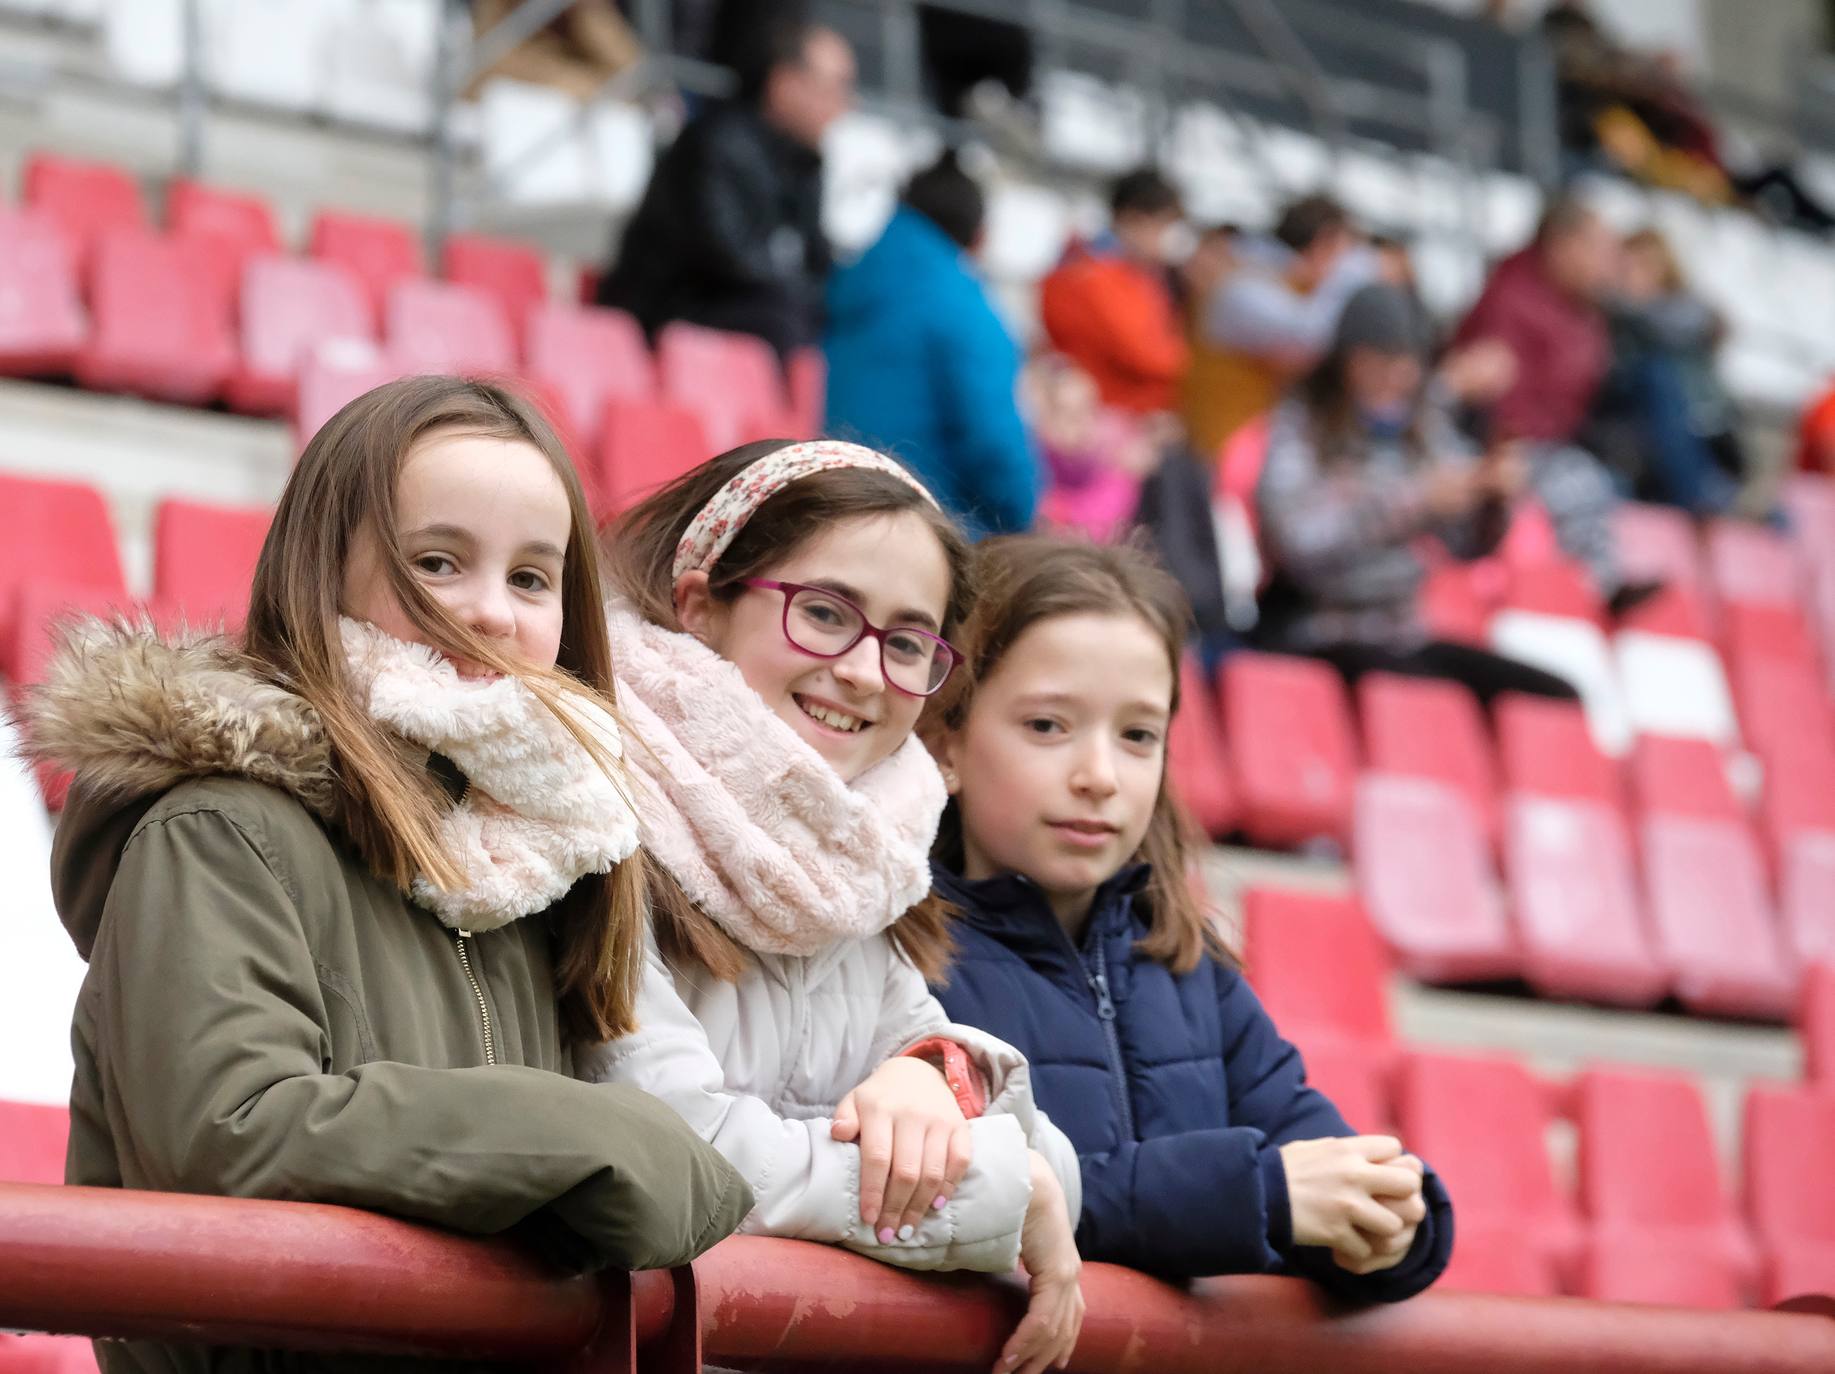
<point x="204" y="560"/>
<point x="1757" y="631"/>
<point x="512" y="273"/>
<point x="289" y="307"/>
<point x="1648" y="1167"/>
<point x="1482" y="1122"/>
<point x="587" y="356"/>
<point x="88" y="199"/>
<point x="40" y="606"/>
<point x="1196" y="765"/>
<point x="1658" y="544"/>
<point x="1816" y="1023"/>
<point x="1352" y="1076"/>
<point x="437" y="326"/>
<point x="732" y="381"/>
<point x="643" y="444"/>
<point x="1455" y="602"/>
<point x="32" y="1141"/>
<point x="1291" y="744"/>
<point x="1790" y="1190"/>
<point x="1318" y="967"/>
<point x="1684" y="777"/>
<point x="331" y="377"/>
<point x="54" y="530"/>
<point x="1753" y="564"/>
<point x="808" y="377"/>
<point x="42" y="324"/>
<point x="1546" y="750"/>
<point x="1783" y="707"/>
<point x="1424" y="871"/>
<point x="238" y="226"/>
<point x="1556" y="587"/>
<point x="1656" y="1267"/>
<point x="1714" y="924"/>
<point x="1421" y="728"/>
<point x="158" y="330"/>
<point x="377" y="252"/>
<point x="1489" y="1256"/>
<point x="1574" y="893"/>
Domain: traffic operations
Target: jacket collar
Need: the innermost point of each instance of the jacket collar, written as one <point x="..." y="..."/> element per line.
<point x="1012" y="909"/>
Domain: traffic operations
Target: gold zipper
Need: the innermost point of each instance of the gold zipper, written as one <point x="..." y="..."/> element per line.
<point x="484" y="1012"/>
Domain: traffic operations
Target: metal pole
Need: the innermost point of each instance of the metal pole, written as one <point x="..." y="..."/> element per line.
<point x="191" y="93"/>
<point x="442" y="208"/>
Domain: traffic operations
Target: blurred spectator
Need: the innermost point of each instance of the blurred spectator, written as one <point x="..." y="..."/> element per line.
<point x="1094" y="454"/>
<point x="1544" y="305"/>
<point x="577" y="51"/>
<point x="1816" y="435"/>
<point x="1266" y="322"/>
<point x="1362" y="468"/>
<point x="920" y="365"/>
<point x="1664" y="421"/>
<point x="1109" y="306"/>
<point x="729" y="233"/>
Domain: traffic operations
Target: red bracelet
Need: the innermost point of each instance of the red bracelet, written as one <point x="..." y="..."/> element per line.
<point x="959" y="1071"/>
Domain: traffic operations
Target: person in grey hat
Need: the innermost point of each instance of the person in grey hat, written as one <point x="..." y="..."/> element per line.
<point x="1362" y="471"/>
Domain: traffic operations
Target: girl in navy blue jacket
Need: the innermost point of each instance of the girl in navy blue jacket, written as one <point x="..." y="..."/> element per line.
<point x="1082" y="943"/>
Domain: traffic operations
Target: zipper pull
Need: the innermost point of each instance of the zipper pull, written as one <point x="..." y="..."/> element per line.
<point x="464" y="934"/>
<point x="1105" y="1005"/>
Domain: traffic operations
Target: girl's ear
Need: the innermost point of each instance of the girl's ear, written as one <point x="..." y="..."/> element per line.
<point x="946" y="747"/>
<point x="694" y="606"/>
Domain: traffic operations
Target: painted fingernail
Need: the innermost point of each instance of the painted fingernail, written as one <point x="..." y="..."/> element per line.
<point x="941" y="1202"/>
<point x="907" y="1231"/>
<point x="887" y="1235"/>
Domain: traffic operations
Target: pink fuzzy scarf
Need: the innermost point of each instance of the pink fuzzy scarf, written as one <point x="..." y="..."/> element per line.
<point x="760" y="832"/>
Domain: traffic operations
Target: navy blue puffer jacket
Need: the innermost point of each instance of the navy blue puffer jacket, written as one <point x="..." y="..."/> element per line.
<point x="1176" y="1090"/>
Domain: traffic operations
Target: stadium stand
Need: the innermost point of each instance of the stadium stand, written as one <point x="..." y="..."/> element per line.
<point x="1292" y="747"/>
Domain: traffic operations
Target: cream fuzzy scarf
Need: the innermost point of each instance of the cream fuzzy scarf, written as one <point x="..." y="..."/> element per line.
<point x="539" y="814"/>
<point x="760" y="832"/>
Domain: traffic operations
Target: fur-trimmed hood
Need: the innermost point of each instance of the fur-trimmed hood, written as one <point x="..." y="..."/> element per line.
<point x="133" y="714"/>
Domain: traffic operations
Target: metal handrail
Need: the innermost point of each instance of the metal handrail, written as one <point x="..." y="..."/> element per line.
<point x="117" y="1263"/>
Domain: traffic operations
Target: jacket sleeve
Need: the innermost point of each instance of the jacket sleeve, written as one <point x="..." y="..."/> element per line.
<point x="1499" y="315"/>
<point x="1215" y="1201"/>
<point x="724" y="213"/>
<point x="1137" y="331"/>
<point x="806" y="1184"/>
<point x="976" y="364"/>
<point x="213" y="1025"/>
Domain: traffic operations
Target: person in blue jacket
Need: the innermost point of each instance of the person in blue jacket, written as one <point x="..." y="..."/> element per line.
<point x="1082" y="943"/>
<point x="921" y="366"/>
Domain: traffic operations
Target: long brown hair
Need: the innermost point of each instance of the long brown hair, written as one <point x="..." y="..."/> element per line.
<point x="640" y="557"/>
<point x="1024" y="579"/>
<point x="391" y="806"/>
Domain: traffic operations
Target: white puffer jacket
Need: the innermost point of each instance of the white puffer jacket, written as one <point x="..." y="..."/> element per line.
<point x="757" y="1067"/>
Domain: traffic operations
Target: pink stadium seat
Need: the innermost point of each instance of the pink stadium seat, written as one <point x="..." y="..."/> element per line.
<point x="1658" y="544"/>
<point x="1783" y="707"/>
<point x="1790" y="1190"/>
<point x="32" y="1140"/>
<point x="808" y="378"/>
<point x="1483" y="1121"/>
<point x="1574" y="894"/>
<point x="42" y="324"/>
<point x="1424" y="872"/>
<point x="1546" y="750"/>
<point x="437" y="326"/>
<point x="1656" y="1267"/>
<point x="1713" y="922"/>
<point x="643" y="444"/>
<point x="88" y="199"/>
<point x="1753" y="564"/>
<point x="1455" y="602"/>
<point x="732" y="381"/>
<point x="1755" y="630"/>
<point x="1556" y="587"/>
<point x="289" y="307"/>
<point x="204" y="560"/>
<point x="54" y="530"/>
<point x="512" y="273"/>
<point x="331" y="377"/>
<point x="158" y="329"/>
<point x="377" y="252"/>
<point x="1196" y="764"/>
<point x="1352" y="1076"/>
<point x="1798" y="815"/>
<point x="1816" y="1024"/>
<point x="1489" y="1257"/>
<point x="237" y="225"/>
<point x="1292" y="746"/>
<point x="40" y="606"/>
<point x="587" y="356"/>
<point x="1648" y="1167"/>
<point x="1418" y="727"/>
<point x="1318" y="967"/>
<point x="1684" y="777"/>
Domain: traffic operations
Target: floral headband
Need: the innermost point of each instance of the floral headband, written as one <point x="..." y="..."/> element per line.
<point x="717" y="524"/>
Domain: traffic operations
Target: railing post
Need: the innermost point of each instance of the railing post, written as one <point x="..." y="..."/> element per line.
<point x="678" y="1349"/>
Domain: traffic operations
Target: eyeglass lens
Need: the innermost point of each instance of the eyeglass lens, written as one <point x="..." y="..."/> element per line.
<point x="823" y="625"/>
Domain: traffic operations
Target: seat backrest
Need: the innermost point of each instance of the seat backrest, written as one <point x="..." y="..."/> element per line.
<point x="1783" y="706"/>
<point x="1790" y="1190"/>
<point x="1197" y="766"/>
<point x="33" y="1137"/>
<point x="731" y="380"/>
<point x="1288" y="724"/>
<point x="1576" y="649"/>
<point x="237" y="225"/>
<point x="1816" y="1024"/>
<point x="1545" y="749"/>
<point x="87" y="198"/>
<point x="512" y="273"/>
<point x="643" y="444"/>
<point x="291" y="305"/>
<point x="1555" y="587"/>
<point x="55" y="530"/>
<point x="1658" y="544"/>
<point x="333" y="375"/>
<point x="1759" y="630"/>
<point x="587" y="355"/>
<point x="1419" y="727"/>
<point x="204" y="558"/>
<point x="1315" y="962"/>
<point x="1647" y="1155"/>
<point x="155" y="296"/>
<point x="1483" y="1122"/>
<point x="437" y="326"/>
<point x="1683" y="777"/>
<point x="1751" y="563"/>
<point x="377" y="252"/>
<point x="41" y="312"/>
<point x="39" y="609"/>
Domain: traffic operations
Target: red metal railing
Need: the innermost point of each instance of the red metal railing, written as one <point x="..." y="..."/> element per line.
<point x="107" y="1262"/>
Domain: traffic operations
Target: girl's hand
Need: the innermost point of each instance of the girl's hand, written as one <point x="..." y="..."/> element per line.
<point x="1388" y="1253"/>
<point x="1333" y="1191"/>
<point x="1047" y="1334"/>
<point x="914" y="1144"/>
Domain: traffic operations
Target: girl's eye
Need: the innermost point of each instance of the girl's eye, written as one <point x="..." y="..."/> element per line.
<point x="529" y="580"/>
<point x="435" y="564"/>
<point x="1042" y="725"/>
<point x="1142" y="736"/>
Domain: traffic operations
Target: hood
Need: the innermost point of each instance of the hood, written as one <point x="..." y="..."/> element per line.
<point x="911" y="254"/>
<point x="133" y="715"/>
